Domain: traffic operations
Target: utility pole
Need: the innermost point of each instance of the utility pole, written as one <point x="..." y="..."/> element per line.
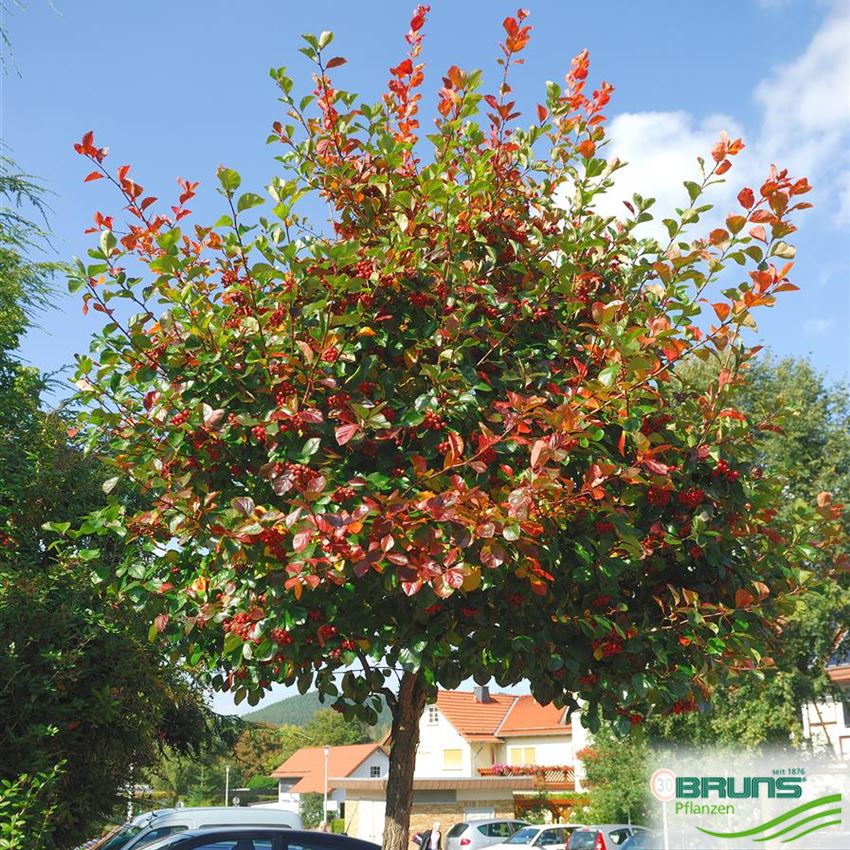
<point x="325" y="804"/>
<point x="227" y="785"/>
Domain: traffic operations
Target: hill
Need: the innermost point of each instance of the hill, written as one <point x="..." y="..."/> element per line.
<point x="299" y="709"/>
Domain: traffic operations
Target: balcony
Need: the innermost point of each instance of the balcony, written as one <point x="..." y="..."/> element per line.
<point x="546" y="777"/>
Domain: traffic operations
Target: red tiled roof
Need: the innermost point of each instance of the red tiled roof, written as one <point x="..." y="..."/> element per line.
<point x="527" y="717"/>
<point x="839" y="674"/>
<point x="473" y="719"/>
<point x="503" y="715"/>
<point x="308" y="766"/>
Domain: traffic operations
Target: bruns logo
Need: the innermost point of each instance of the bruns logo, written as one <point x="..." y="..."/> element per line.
<point x="739" y="788"/>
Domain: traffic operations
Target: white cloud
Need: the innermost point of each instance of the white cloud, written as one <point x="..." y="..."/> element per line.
<point x="661" y="149"/>
<point x="803" y="124"/>
<point x="817" y="327"/>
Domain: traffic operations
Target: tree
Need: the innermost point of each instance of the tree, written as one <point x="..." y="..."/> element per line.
<point x="809" y="450"/>
<point x="617" y="778"/>
<point x="83" y="697"/>
<point x="448" y="436"/>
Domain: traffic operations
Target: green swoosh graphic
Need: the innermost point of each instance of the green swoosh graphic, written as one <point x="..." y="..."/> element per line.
<point x="813" y="829"/>
<point x="821" y="801"/>
<point x="799" y="823"/>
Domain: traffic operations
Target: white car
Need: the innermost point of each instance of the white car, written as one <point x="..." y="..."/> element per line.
<point x="551" y="836"/>
<point x="151" y="826"/>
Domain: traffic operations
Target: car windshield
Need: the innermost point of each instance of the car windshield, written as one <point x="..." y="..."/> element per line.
<point x="456" y="830"/>
<point x="523" y="836"/>
<point x="121" y="837"/>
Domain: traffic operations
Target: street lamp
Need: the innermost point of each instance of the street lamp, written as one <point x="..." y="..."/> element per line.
<point x="325" y="804"/>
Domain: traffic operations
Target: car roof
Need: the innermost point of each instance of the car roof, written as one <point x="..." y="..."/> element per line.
<point x="292" y="836"/>
<point x="598" y="826"/>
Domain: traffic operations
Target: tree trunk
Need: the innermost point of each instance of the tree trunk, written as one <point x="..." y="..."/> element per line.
<point x="405" y="739"/>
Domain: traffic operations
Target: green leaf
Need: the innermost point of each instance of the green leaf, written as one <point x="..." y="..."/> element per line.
<point x="248" y="200"/>
<point x="609" y="374"/>
<point x="229" y="179"/>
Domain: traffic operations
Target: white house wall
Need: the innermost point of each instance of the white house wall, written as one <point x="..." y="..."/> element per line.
<point x="548" y="749"/>
<point x="378" y="759"/>
<point x="433" y="740"/>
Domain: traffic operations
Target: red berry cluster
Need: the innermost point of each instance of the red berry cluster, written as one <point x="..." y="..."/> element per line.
<point x="331" y="355"/>
<point x="658" y="496"/>
<point x="281" y="637"/>
<point x="696" y="551"/>
<point x="339" y="399"/>
<point x="655" y="423"/>
<point x="443" y="447"/>
<point x="241" y="624"/>
<point x="179" y="418"/>
<point x="723" y="469"/>
<point x="283" y="392"/>
<point x="684" y="706"/>
<point x="341" y="494"/>
<point x="433" y="421"/>
<point x="367" y="388"/>
<point x="325" y="633"/>
<point x="612" y="645"/>
<point x="302" y="474"/>
<point x="589" y="680"/>
<point x="258" y="432"/>
<point x="692" y="497"/>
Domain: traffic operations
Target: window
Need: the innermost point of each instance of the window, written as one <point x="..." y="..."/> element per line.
<point x="522" y="755"/>
<point x="497" y="829"/>
<point x="375" y="771"/>
<point x="619" y="836"/>
<point x="433" y="715"/>
<point x="162" y="832"/>
<point x="551" y="836"/>
<point x="237" y="843"/>
<point x="845" y="711"/>
<point x="452" y="759"/>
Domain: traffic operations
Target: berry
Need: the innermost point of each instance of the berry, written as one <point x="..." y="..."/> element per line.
<point x="691" y="498"/>
<point x="259" y="433"/>
<point x="658" y="496"/>
<point x="179" y="418"/>
<point x="433" y="421"/>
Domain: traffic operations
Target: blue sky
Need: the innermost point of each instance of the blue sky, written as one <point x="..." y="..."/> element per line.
<point x="177" y="88"/>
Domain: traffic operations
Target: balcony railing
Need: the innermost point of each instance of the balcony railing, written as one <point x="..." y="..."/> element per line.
<point x="550" y="778"/>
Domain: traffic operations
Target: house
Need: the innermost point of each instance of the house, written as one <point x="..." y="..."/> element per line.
<point x="305" y="772"/>
<point x="827" y="723"/>
<point x="481" y="755"/>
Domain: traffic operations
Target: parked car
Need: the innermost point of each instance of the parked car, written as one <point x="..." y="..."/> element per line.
<point x="258" y="838"/>
<point x="151" y="826"/>
<point x="604" y="836"/>
<point x="676" y="840"/>
<point x="552" y="836"/>
<point x="481" y="833"/>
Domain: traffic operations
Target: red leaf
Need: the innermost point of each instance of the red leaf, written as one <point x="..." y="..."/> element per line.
<point x="542" y="112"/>
<point x="730" y="413"/>
<point x="743" y="598"/>
<point x="746" y="198"/>
<point x="301" y="540"/>
<point x="336" y="62"/>
<point x="722" y="309"/>
<point x="94" y="175"/>
<point x="345" y="432"/>
<point x="147" y="202"/>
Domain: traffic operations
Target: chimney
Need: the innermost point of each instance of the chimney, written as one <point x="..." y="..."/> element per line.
<point x="482" y="693"/>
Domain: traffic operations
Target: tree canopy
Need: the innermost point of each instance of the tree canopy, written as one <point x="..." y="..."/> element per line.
<point x="445" y="435"/>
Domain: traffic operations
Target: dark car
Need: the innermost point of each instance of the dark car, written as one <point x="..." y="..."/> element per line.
<point x="603" y="836"/>
<point x="258" y="838"/>
<point x="676" y="839"/>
